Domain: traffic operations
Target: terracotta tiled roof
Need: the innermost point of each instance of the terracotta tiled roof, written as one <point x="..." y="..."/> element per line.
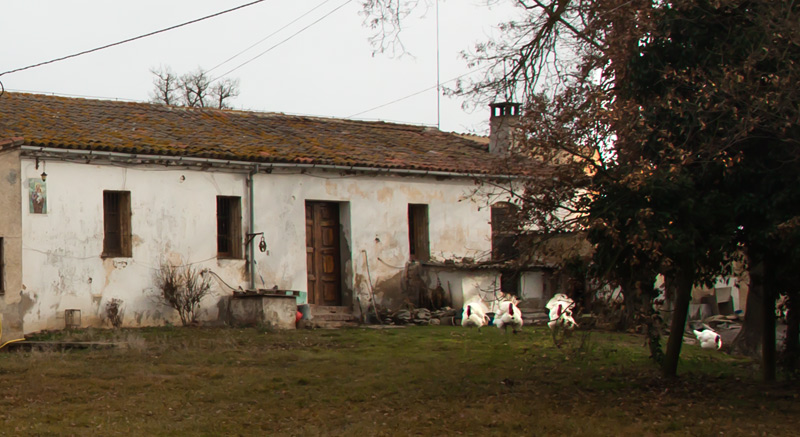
<point x="142" y="128"/>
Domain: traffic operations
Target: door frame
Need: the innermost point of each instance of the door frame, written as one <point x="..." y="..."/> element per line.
<point x="317" y="255"/>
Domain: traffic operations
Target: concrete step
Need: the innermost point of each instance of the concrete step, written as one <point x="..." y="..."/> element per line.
<point x="531" y="316"/>
<point x="531" y="304"/>
<point x="331" y="317"/>
<point x="334" y="317"/>
<point x="327" y="309"/>
<point x="331" y="325"/>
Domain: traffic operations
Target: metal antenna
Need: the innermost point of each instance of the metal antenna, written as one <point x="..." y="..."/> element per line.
<point x="438" y="85"/>
<point x="505" y="79"/>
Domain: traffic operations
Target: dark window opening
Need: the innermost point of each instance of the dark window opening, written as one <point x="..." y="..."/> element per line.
<point x="509" y="283"/>
<point x="418" y="232"/>
<point x="229" y="227"/>
<point x="117" y="224"/>
<point x="504" y="232"/>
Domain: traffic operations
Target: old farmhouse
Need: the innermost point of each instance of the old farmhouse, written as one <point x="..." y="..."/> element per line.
<point x="96" y="195"/>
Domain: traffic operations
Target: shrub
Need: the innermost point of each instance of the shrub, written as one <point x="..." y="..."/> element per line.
<point x="182" y="288"/>
<point x="114" y="312"/>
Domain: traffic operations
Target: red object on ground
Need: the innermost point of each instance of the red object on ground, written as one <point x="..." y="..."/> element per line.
<point x="298" y="316"/>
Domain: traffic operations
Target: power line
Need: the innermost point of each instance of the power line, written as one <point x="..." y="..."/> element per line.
<point x="436" y="87"/>
<point x="280" y="43"/>
<point x="269" y="36"/>
<point x="132" y="39"/>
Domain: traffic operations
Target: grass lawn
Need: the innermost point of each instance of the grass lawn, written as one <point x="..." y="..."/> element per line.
<point x="437" y="381"/>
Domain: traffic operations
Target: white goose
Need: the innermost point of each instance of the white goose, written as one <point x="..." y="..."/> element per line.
<point x="560" y="312"/>
<point x="474" y="315"/>
<point x="508" y="314"/>
<point x="708" y="339"/>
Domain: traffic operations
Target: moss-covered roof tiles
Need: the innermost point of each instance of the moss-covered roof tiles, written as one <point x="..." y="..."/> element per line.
<point x="141" y="128"/>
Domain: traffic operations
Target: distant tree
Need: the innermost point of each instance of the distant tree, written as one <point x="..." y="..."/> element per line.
<point x="194" y="89"/>
<point x="166" y="85"/>
<point x="224" y="90"/>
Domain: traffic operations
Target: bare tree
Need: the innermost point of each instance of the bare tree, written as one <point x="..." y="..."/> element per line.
<point x="166" y="84"/>
<point x="539" y="50"/>
<point x="385" y="18"/>
<point x="194" y="89"/>
<point x="224" y="90"/>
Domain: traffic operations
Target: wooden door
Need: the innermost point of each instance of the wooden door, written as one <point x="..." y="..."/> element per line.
<point x="322" y="253"/>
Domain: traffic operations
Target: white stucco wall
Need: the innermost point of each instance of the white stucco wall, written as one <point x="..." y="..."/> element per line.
<point x="174" y="219"/>
<point x="531" y="285"/>
<point x="374" y="212"/>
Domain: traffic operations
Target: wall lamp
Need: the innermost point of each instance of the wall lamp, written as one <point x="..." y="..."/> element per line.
<point x="44" y="174"/>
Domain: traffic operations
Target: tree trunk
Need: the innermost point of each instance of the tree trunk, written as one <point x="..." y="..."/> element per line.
<point x="749" y="340"/>
<point x="626" y="316"/>
<point x="683" y="296"/>
<point x="792" y="342"/>
<point x="768" y="349"/>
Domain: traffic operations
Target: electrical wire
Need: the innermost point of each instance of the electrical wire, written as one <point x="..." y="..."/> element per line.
<point x="74" y="55"/>
<point x="436" y="87"/>
<point x="219" y="278"/>
<point x="280" y="43"/>
<point x="268" y="36"/>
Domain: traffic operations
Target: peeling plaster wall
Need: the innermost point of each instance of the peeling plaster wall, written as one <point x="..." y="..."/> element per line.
<point x="14" y="302"/>
<point x="374" y="215"/>
<point x="174" y="218"/>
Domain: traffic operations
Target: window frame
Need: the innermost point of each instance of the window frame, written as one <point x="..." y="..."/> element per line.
<point x="117" y="235"/>
<point x="232" y="236"/>
<point x="419" y="247"/>
<point x="504" y="237"/>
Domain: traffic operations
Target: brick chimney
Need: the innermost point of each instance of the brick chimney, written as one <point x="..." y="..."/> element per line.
<point x="502" y="123"/>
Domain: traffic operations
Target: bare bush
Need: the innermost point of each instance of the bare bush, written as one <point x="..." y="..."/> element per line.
<point x="114" y="312"/>
<point x="195" y="89"/>
<point x="182" y="288"/>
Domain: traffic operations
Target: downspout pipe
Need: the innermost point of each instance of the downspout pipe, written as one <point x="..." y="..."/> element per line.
<point x="251" y="241"/>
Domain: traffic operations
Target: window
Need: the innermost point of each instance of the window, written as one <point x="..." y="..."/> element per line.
<point x="418" y="232"/>
<point x="509" y="282"/>
<point x="117" y="224"/>
<point x="2" y="269"/>
<point x="504" y="235"/>
<point x="229" y="227"/>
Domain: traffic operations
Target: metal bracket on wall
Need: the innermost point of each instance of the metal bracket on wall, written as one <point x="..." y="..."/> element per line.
<point x="262" y="245"/>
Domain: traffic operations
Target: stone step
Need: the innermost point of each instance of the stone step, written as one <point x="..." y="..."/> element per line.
<point x="331" y="317"/>
<point x="333" y="325"/>
<point x="531" y="304"/>
<point x="533" y="315"/>
<point x="334" y="317"/>
<point x="327" y="309"/>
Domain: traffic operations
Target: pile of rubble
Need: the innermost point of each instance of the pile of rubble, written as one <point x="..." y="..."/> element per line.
<point x="415" y="316"/>
<point x="727" y="326"/>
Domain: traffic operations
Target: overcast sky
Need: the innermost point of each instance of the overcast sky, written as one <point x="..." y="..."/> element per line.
<point x="327" y="70"/>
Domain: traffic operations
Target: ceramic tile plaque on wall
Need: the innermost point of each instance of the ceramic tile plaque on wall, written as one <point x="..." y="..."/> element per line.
<point x="37" y="196"/>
